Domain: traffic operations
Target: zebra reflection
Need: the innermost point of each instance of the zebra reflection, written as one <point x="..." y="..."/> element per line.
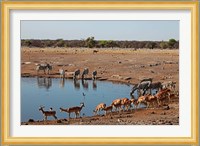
<point x="62" y="82"/>
<point x="77" y="84"/>
<point x="44" y="82"/>
<point x="94" y="84"/>
<point x="85" y="84"/>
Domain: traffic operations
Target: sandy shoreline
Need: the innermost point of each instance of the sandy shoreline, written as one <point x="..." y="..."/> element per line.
<point x="119" y="65"/>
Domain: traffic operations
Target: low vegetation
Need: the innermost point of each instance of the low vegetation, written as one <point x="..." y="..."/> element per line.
<point x="90" y="42"/>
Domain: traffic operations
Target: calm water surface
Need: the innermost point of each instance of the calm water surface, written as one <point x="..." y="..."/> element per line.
<point x="66" y="93"/>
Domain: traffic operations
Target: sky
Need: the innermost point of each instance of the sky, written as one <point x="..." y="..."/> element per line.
<point x="101" y="30"/>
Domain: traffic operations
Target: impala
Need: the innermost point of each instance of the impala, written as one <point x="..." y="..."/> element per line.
<point x="151" y="100"/>
<point x="117" y="104"/>
<point x="141" y="99"/>
<point x="99" y="107"/>
<point x="162" y="95"/>
<point x="124" y="101"/>
<point x="47" y="113"/>
<point x="108" y="109"/>
<point x="75" y="109"/>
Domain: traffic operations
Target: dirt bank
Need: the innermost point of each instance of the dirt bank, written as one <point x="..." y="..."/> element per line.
<point x="125" y="65"/>
<point x="154" y="116"/>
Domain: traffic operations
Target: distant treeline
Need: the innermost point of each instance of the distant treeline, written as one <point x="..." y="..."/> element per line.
<point x="92" y="43"/>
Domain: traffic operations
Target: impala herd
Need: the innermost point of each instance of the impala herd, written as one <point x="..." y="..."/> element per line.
<point x="121" y="104"/>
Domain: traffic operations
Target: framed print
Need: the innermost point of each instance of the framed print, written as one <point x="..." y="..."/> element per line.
<point x="100" y="73"/>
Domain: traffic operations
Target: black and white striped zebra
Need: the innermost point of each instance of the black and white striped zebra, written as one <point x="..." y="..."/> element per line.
<point x="85" y="72"/>
<point x="62" y="73"/>
<point x="144" y="85"/>
<point x="76" y="74"/>
<point x="169" y="84"/>
<point x="44" y="67"/>
<point x="94" y="75"/>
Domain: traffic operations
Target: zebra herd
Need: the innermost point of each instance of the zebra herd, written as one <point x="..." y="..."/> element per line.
<point x="46" y="68"/>
<point x="146" y="84"/>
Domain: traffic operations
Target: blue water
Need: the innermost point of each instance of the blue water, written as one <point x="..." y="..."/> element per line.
<point x="66" y="93"/>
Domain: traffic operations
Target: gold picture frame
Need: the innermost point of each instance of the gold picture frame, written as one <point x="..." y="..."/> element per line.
<point x="5" y="62"/>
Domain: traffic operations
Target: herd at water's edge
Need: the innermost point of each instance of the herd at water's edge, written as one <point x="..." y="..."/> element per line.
<point x="165" y="91"/>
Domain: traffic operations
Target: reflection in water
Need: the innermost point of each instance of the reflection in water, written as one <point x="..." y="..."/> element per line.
<point x="44" y="82"/>
<point x="76" y="84"/>
<point x="85" y="84"/>
<point x="94" y="84"/>
<point x="62" y="82"/>
<point x="83" y="96"/>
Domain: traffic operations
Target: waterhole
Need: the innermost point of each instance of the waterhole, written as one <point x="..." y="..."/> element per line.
<point x="55" y="93"/>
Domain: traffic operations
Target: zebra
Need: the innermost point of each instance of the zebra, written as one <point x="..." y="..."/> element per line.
<point x="148" y="81"/>
<point x="94" y="75"/>
<point x="76" y="73"/>
<point x="44" y="67"/>
<point x="141" y="86"/>
<point x="49" y="67"/>
<point x="85" y="72"/>
<point x="156" y="85"/>
<point x="169" y="84"/>
<point x="62" y="72"/>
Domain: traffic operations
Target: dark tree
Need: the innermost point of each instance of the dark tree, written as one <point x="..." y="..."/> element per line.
<point x="151" y="45"/>
<point x="90" y="42"/>
<point x="171" y="43"/>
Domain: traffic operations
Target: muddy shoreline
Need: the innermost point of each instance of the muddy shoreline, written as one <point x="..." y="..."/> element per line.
<point x="142" y="116"/>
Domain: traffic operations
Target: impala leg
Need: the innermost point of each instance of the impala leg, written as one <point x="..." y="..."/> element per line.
<point x="169" y="98"/>
<point x="147" y="104"/>
<point x="138" y="105"/>
<point x="55" y="116"/>
<point x="159" y="103"/>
